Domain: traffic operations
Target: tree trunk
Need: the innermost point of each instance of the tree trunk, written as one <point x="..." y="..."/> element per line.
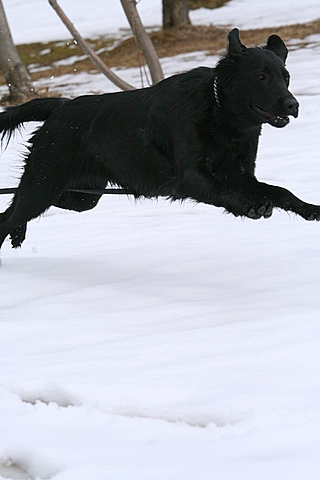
<point x="143" y="39"/>
<point x="175" y="13"/>
<point x="15" y="72"/>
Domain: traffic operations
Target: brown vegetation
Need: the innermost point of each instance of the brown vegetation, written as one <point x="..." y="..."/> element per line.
<point x="44" y="60"/>
<point x="193" y="4"/>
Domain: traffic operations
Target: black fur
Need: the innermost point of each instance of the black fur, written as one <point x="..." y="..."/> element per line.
<point x="193" y="135"/>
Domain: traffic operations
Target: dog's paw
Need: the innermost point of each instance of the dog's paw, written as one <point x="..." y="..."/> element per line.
<point x="257" y="212"/>
<point x="18" y="235"/>
<point x="310" y="212"/>
<point x="313" y="216"/>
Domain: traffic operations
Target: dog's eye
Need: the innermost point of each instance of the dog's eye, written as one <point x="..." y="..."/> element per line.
<point x="261" y="76"/>
<point x="288" y="79"/>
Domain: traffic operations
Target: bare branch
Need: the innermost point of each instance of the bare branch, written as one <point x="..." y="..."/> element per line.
<point x="88" y="50"/>
<point x="149" y="52"/>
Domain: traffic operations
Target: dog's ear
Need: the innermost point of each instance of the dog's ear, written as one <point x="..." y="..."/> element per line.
<point x="235" y="45"/>
<point x="277" y="46"/>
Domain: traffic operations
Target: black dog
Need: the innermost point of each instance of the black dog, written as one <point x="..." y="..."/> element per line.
<point x="193" y="135"/>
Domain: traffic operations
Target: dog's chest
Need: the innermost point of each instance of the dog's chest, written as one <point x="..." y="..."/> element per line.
<point x="229" y="156"/>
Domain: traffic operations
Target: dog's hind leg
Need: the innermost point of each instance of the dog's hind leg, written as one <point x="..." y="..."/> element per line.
<point x="17" y="235"/>
<point x="38" y="190"/>
<point x="81" y="201"/>
<point x="76" y="201"/>
<point x="24" y="208"/>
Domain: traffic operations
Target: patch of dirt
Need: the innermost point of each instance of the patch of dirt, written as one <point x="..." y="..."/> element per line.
<point x="193" y="4"/>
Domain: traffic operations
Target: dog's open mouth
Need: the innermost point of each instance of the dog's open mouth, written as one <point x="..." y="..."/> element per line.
<point x="275" y="121"/>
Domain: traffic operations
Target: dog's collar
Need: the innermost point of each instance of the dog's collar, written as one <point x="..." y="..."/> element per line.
<point x="215" y="91"/>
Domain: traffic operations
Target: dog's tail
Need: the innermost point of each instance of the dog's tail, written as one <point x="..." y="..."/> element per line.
<point x="37" y="110"/>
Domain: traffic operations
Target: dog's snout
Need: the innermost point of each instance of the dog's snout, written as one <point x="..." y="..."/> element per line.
<point x="292" y="106"/>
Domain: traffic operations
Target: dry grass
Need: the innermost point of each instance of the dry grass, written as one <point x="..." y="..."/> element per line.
<point x="211" y="39"/>
<point x="193" y="4"/>
<point x="42" y="58"/>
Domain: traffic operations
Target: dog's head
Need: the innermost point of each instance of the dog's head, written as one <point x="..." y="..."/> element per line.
<point x="252" y="83"/>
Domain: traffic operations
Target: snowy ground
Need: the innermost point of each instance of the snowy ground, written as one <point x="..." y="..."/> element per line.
<point x="107" y="17"/>
<point x="149" y="341"/>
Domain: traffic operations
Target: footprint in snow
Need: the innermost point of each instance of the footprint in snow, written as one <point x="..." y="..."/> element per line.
<point x="20" y="467"/>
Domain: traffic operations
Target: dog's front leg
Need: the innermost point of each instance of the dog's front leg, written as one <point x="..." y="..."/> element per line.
<point x="205" y="188"/>
<point x="279" y="197"/>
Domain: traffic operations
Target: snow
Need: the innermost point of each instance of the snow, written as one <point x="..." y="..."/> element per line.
<point x="108" y="17"/>
<point x="147" y="340"/>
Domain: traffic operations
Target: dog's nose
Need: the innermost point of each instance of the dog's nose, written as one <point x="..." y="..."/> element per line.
<point x="292" y="106"/>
